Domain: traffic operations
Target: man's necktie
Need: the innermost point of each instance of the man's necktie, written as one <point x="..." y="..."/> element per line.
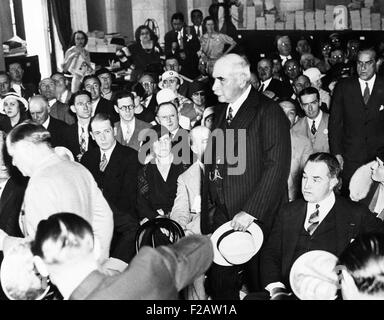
<point x="313" y="128"/>
<point x="261" y="88"/>
<point x="83" y="142"/>
<point x="366" y="94"/>
<point x="103" y="162"/>
<point x="314" y="221"/>
<point x="128" y="135"/>
<point x="229" y="116"/>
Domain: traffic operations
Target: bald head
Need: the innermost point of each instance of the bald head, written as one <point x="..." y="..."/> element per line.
<point x="39" y="109"/>
<point x="199" y="139"/>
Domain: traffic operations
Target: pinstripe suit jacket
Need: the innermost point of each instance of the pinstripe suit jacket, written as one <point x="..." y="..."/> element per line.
<point x="262" y="187"/>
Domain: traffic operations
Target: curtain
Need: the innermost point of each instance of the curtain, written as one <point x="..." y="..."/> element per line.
<point x="61" y="10"/>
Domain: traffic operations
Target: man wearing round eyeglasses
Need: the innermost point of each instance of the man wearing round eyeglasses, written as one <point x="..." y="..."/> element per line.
<point x="114" y="168"/>
<point x="127" y="130"/>
<point x="356" y="123"/>
<point x="314" y="125"/>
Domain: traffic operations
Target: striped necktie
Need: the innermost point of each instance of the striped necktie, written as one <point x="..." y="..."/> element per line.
<point x="313" y="128"/>
<point x="229" y="116"/>
<point x="83" y="142"/>
<point x="366" y="93"/>
<point x="103" y="162"/>
<point x="314" y="221"/>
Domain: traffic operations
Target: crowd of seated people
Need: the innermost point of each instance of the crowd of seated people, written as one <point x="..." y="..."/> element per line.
<point x="141" y="151"/>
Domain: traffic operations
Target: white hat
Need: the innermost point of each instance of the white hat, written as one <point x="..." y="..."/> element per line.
<point x="18" y="277"/>
<point x="169" y="74"/>
<point x="165" y="95"/>
<point x="313" y="74"/>
<point x="313" y="276"/>
<point x="13" y="95"/>
<point x="231" y="247"/>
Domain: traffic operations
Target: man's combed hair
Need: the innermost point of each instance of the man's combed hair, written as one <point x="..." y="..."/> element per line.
<point x="62" y="228"/>
<point x="308" y="91"/>
<point x="29" y="131"/>
<point x="101" y="117"/>
<point x="329" y="159"/>
<point x="364" y="260"/>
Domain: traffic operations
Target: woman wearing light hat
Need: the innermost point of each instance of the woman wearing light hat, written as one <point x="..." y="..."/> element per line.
<point x="14" y="111"/>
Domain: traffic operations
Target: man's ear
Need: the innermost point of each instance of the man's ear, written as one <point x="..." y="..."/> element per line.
<point x="93" y="137"/>
<point x="73" y="108"/>
<point x="116" y="109"/>
<point x="40" y="266"/>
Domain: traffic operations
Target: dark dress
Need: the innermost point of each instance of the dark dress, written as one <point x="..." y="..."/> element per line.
<point x="146" y="59"/>
<point x="5" y="122"/>
<point x="154" y="193"/>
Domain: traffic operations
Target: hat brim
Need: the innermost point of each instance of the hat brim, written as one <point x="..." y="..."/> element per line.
<point x="178" y="77"/>
<point x="255" y="231"/>
<point x="304" y="267"/>
<point x="18" y="98"/>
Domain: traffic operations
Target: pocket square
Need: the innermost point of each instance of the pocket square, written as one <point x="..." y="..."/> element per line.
<point x="381" y="108"/>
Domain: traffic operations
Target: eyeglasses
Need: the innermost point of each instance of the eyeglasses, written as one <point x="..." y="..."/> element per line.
<point x="126" y="108"/>
<point x="365" y="64"/>
<point x="310" y="103"/>
<point x="146" y="83"/>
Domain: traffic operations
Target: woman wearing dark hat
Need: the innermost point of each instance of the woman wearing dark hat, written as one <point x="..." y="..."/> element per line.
<point x="14" y="111"/>
<point x="157" y="180"/>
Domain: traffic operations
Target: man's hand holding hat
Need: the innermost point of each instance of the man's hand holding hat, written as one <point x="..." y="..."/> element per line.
<point x="242" y="221"/>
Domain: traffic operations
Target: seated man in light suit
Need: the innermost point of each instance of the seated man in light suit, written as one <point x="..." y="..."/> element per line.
<point x="320" y="221"/>
<point x="128" y="128"/>
<point x="187" y="205"/>
<point x="315" y="123"/>
<point x="64" y="248"/>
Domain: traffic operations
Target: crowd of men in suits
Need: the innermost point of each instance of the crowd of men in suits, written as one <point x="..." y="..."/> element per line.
<point x="309" y="126"/>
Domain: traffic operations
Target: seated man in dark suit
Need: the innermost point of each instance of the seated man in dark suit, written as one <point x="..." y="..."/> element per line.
<point x="92" y="84"/>
<point x="78" y="139"/>
<point x="58" y="110"/>
<point x="267" y="83"/>
<point x="320" y="221"/>
<point x="114" y="168"/>
<point x="39" y="109"/>
<point x="157" y="274"/>
<point x="127" y="130"/>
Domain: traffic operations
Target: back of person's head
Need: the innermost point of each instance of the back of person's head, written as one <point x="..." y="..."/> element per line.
<point x="62" y="237"/>
<point x="329" y="160"/>
<point x="362" y="267"/>
<point x="29" y="131"/>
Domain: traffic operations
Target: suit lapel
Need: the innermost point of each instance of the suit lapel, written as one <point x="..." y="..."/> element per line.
<point x="377" y="91"/>
<point x="247" y="111"/>
<point x="119" y="133"/>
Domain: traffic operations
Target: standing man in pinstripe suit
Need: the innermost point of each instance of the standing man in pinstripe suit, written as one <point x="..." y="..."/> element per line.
<point x="257" y="187"/>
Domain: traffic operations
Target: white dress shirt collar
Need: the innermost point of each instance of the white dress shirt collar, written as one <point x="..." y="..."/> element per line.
<point x="52" y="102"/>
<point x="371" y="83"/>
<point x="127" y="126"/>
<point x="317" y="120"/>
<point x="46" y="123"/>
<point x="325" y="207"/>
<point x="107" y="152"/>
<point x="239" y="102"/>
<point x="266" y="83"/>
<point x="94" y="105"/>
